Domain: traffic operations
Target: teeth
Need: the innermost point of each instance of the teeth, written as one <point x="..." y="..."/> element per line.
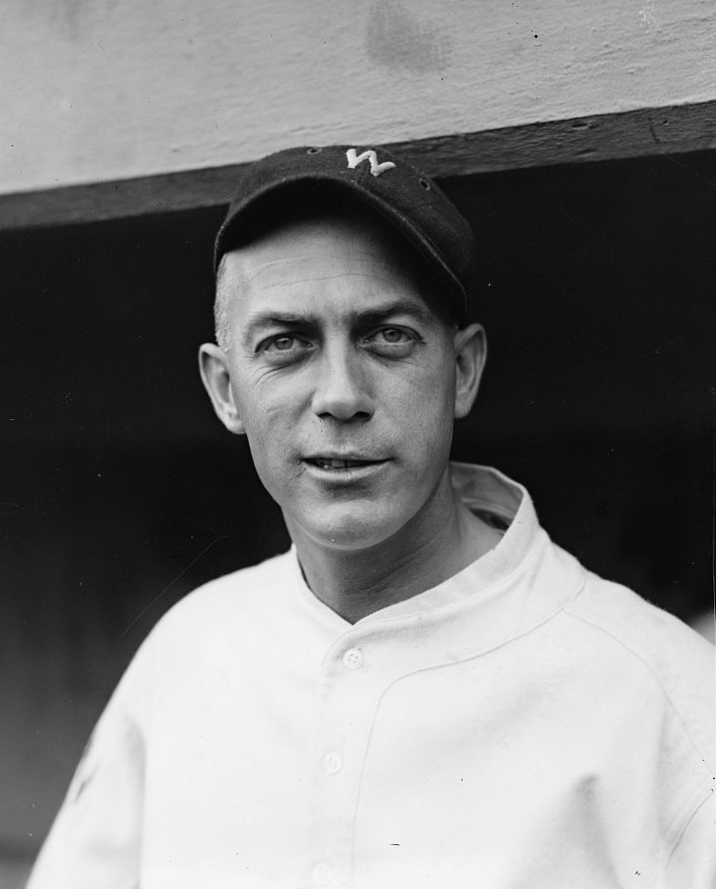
<point x="327" y="463"/>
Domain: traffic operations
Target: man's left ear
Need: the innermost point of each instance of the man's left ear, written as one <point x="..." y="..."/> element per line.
<point x="470" y="356"/>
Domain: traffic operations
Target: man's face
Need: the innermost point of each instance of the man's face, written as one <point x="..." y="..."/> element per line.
<point x="342" y="378"/>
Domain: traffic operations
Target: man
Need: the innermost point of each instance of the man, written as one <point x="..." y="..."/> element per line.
<point x="424" y="691"/>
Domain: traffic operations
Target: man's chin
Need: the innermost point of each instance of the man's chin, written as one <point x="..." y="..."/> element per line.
<point x="348" y="533"/>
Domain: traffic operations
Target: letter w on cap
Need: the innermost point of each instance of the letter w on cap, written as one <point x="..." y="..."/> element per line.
<point x="375" y="168"/>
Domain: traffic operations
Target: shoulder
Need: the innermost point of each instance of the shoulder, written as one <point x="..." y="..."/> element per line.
<point x="208" y="626"/>
<point x="234" y="601"/>
<point x="648" y="632"/>
<point x="240" y="593"/>
<point x="672" y="662"/>
<point x="235" y="590"/>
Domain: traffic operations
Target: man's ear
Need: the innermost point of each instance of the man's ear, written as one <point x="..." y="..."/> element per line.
<point x="214" y="371"/>
<point x="470" y="356"/>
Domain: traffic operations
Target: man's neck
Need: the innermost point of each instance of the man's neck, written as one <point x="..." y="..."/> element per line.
<point x="356" y="583"/>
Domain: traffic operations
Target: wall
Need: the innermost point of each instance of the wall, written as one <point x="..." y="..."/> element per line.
<point x="96" y="90"/>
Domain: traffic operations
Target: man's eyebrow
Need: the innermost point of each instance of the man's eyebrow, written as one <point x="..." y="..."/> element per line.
<point x="396" y="307"/>
<point x="270" y="319"/>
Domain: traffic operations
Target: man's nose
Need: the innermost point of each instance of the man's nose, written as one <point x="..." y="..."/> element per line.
<point x="342" y="389"/>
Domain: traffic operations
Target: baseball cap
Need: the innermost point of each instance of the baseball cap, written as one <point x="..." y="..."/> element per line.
<point x="406" y="198"/>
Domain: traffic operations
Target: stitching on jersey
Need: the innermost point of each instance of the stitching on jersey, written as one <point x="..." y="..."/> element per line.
<point x="441" y="665"/>
<point x="674" y="827"/>
<point x="680" y="835"/>
<point x="592" y="623"/>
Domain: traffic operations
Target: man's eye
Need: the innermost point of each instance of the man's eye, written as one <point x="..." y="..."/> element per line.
<point x="282" y="343"/>
<point x="285" y="342"/>
<point x="393" y="335"/>
<point x="389" y="338"/>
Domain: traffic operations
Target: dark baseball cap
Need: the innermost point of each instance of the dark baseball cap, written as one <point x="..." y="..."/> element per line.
<point x="406" y="198"/>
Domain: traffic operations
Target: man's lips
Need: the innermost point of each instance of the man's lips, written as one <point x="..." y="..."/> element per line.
<point x="331" y="462"/>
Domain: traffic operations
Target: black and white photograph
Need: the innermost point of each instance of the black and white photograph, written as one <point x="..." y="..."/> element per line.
<point x="357" y="450"/>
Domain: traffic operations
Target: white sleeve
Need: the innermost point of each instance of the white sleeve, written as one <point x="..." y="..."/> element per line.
<point x="693" y="861"/>
<point x="95" y="840"/>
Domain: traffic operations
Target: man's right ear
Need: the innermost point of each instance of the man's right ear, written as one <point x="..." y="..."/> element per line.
<point x="214" y="371"/>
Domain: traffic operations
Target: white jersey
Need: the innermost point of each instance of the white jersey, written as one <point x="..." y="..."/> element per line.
<point x="523" y="724"/>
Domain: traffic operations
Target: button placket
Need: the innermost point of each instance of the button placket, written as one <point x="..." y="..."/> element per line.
<point x="347" y="707"/>
<point x="353" y="659"/>
<point x="332" y="763"/>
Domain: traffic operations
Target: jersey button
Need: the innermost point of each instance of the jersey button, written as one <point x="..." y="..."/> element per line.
<point x="332" y="763"/>
<point x="322" y="873"/>
<point x="353" y="659"/>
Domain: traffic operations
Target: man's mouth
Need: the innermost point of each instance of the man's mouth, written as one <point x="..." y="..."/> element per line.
<point x="333" y="463"/>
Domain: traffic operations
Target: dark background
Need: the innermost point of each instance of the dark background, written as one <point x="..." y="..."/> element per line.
<point x="120" y="491"/>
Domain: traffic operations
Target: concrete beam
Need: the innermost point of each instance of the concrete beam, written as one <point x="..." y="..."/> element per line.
<point x="645" y="132"/>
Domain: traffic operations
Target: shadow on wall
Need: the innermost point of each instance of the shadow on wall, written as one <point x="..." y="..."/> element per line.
<point x="14" y="873"/>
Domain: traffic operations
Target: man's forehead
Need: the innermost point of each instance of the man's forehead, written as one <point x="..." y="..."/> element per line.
<point x="297" y="269"/>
